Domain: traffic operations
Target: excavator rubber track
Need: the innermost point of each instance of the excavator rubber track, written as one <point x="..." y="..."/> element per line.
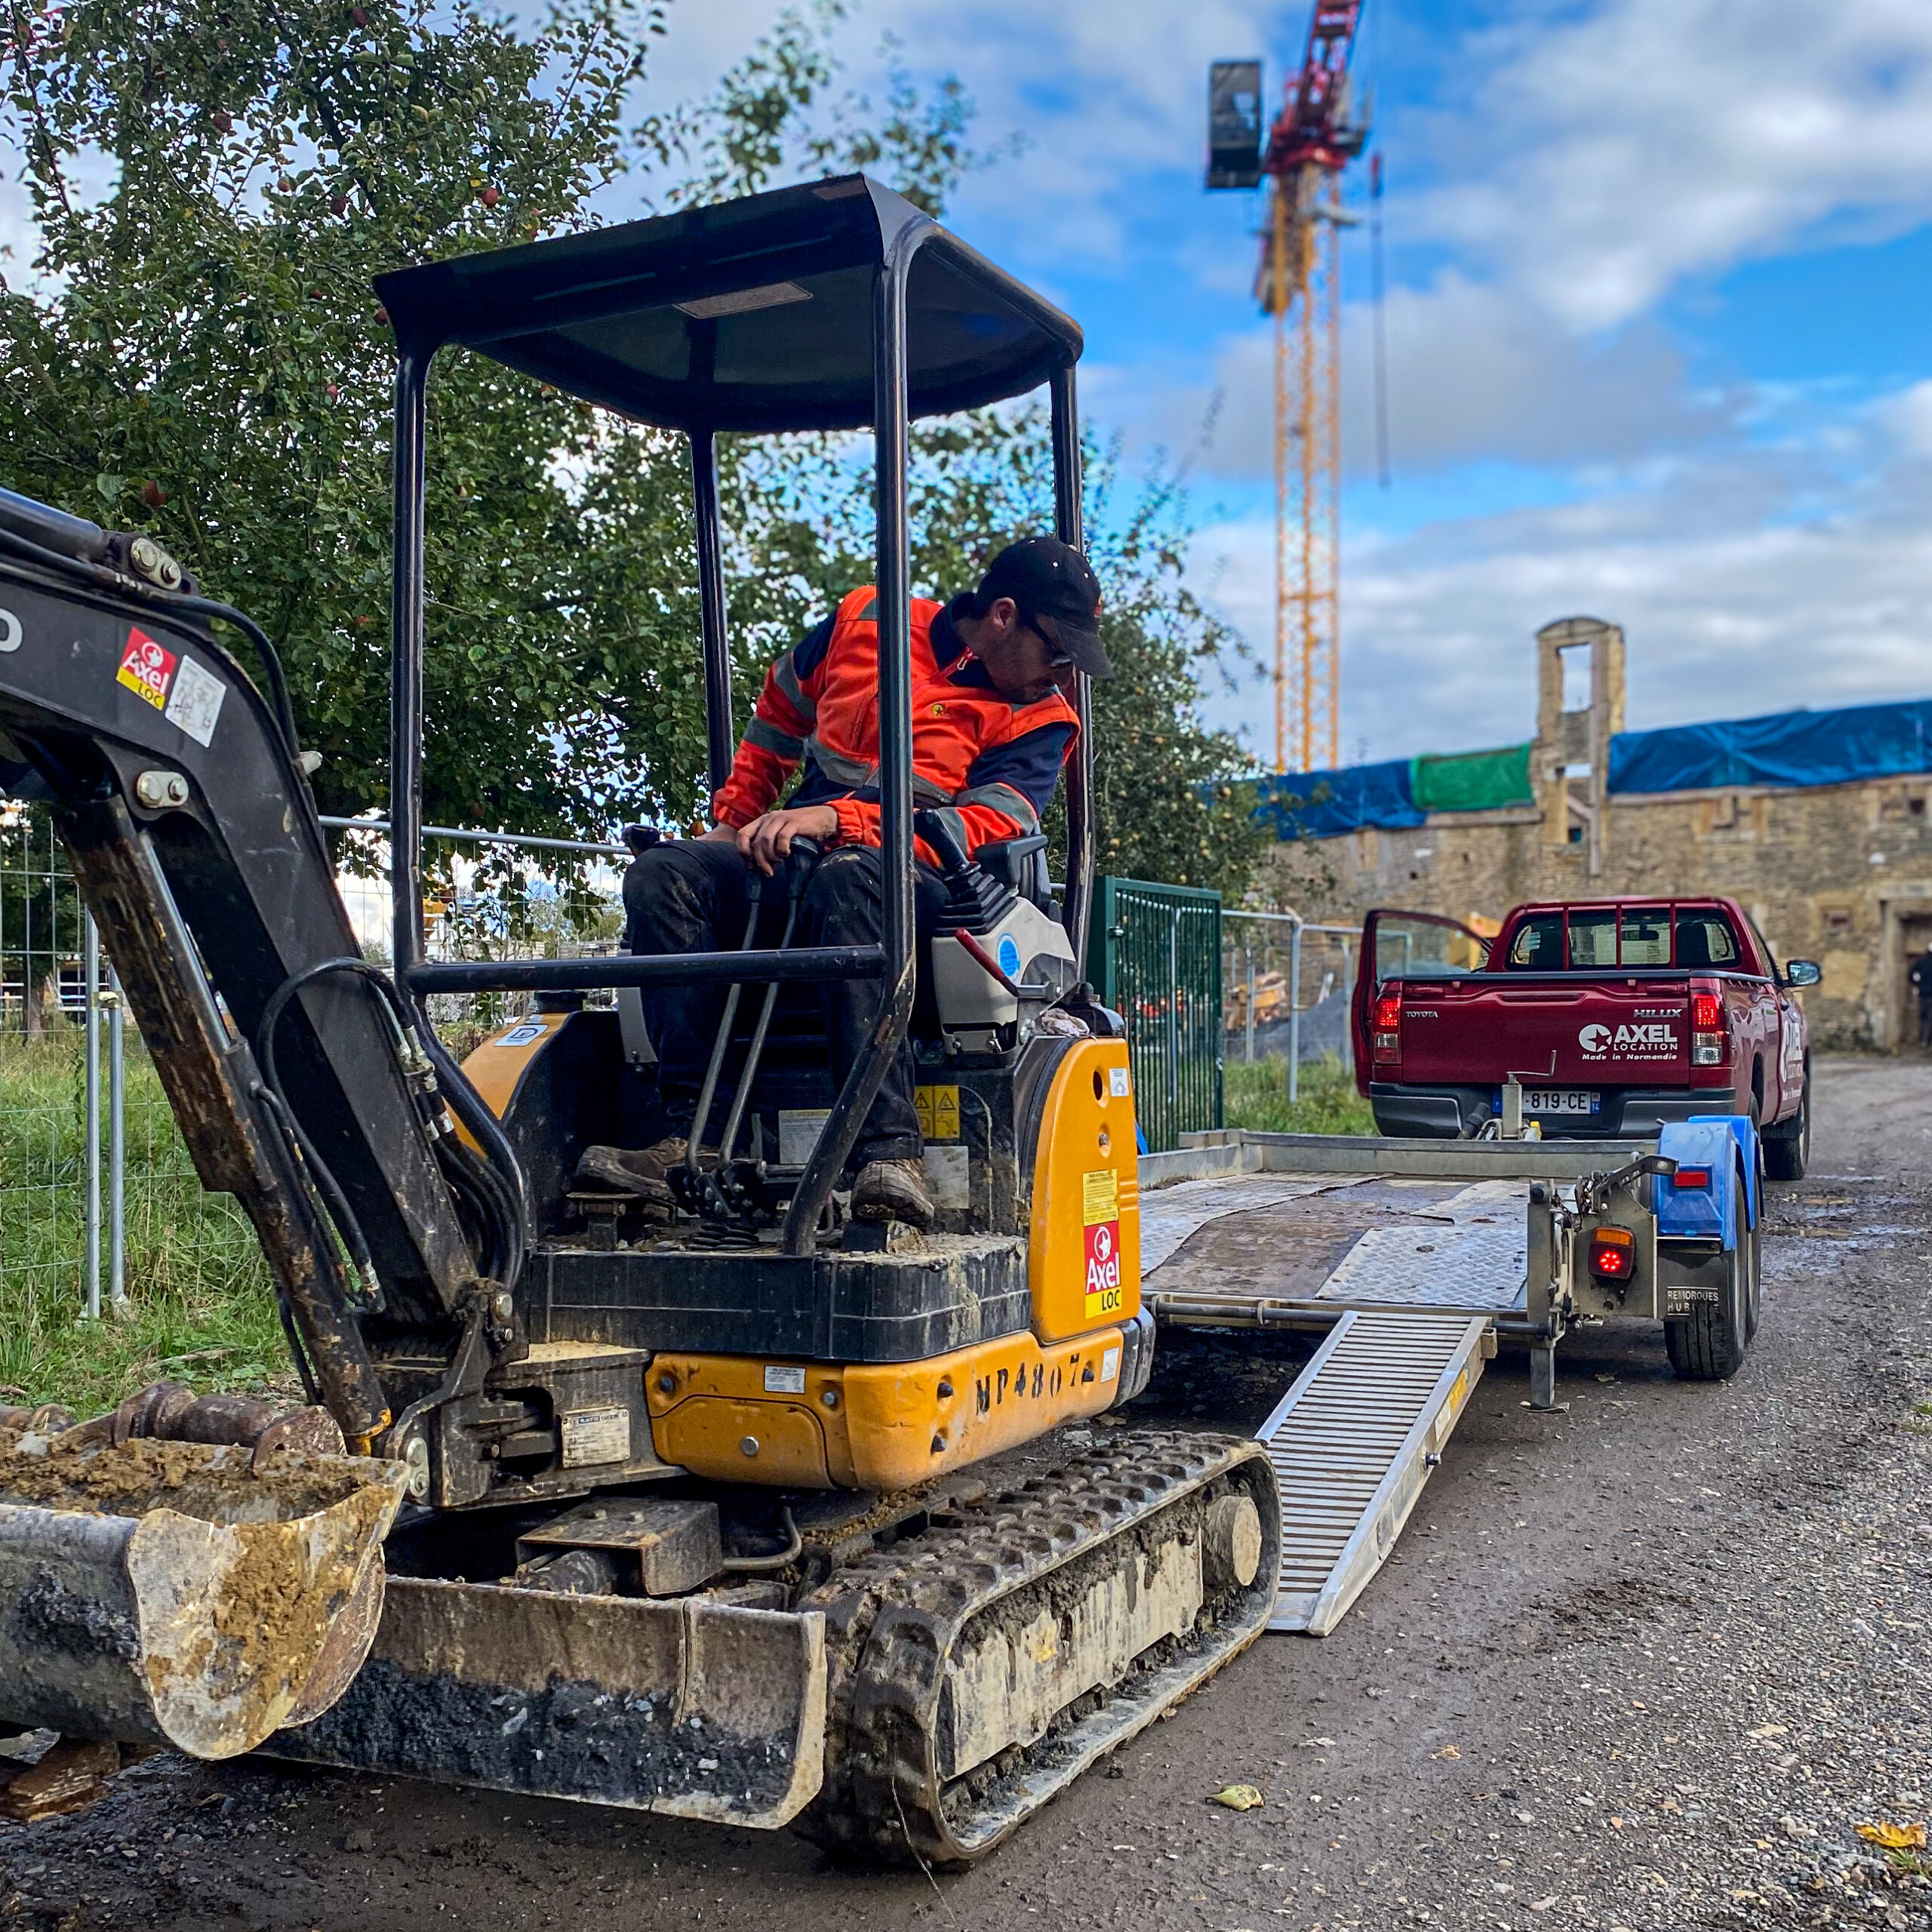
<point x="975" y="1670"/>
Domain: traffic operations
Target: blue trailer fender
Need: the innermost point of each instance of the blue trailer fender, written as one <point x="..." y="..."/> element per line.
<point x="1725" y="1148"/>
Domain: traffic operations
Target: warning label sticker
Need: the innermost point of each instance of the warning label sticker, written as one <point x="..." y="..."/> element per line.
<point x="195" y="703"/>
<point x="147" y="669"/>
<point x="1100" y="1196"/>
<point x="938" y="1109"/>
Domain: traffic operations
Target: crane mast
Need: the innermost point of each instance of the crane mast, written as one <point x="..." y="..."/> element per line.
<point x="1298" y="283"/>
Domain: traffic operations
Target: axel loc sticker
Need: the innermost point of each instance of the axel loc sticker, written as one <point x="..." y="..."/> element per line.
<point x="147" y="669"/>
<point x="1103" y="1282"/>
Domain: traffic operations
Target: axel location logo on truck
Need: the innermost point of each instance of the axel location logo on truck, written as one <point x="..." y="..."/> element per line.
<point x="147" y="668"/>
<point x="1099" y="1209"/>
<point x="1650" y="1041"/>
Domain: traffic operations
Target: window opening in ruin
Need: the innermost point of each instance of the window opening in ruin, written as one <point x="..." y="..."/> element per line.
<point x="1835" y="919"/>
<point x="1574" y="661"/>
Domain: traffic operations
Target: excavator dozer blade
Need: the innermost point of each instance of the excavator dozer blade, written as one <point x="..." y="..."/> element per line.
<point x="683" y="1706"/>
<point x="171" y="1593"/>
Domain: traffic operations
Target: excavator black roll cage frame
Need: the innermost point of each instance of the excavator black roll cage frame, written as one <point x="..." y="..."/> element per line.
<point x="590" y="314"/>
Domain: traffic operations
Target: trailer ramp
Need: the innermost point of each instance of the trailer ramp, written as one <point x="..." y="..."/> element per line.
<point x="1352" y="1444"/>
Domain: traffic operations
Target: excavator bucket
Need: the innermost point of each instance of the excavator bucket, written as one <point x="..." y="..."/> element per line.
<point x="684" y="1706"/>
<point x="187" y="1594"/>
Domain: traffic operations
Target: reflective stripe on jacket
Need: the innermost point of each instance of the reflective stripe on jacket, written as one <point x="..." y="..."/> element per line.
<point x="989" y="764"/>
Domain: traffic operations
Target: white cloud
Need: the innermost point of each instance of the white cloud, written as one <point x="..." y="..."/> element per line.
<point x="1609" y="155"/>
<point x="1474" y="374"/>
<point x="1732" y="605"/>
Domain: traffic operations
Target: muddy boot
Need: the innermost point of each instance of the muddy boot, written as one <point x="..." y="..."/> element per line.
<point x="636" y="1171"/>
<point x="893" y="1191"/>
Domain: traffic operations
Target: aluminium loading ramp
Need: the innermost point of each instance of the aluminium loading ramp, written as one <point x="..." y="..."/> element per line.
<point x="1411" y="1255"/>
<point x="1352" y="1444"/>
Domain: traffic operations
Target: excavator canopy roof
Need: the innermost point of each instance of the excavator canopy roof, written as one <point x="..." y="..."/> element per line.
<point x="751" y="315"/>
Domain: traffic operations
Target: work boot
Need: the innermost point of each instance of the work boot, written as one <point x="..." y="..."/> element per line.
<point x="638" y="1171"/>
<point x="893" y="1191"/>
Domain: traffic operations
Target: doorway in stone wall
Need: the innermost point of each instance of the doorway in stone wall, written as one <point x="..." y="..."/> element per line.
<point x="1915" y="931"/>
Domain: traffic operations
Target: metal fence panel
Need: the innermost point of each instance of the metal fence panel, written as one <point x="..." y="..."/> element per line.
<point x="1289" y="985"/>
<point x="1156" y="956"/>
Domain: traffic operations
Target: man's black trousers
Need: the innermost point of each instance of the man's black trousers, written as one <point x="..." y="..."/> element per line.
<point x="689" y="896"/>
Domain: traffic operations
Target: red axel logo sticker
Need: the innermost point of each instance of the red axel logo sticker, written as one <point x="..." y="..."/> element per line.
<point x="147" y="669"/>
<point x="1103" y="1286"/>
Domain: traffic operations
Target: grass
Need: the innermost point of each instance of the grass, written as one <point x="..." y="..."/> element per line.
<point x="199" y="1306"/>
<point x="1257" y="1098"/>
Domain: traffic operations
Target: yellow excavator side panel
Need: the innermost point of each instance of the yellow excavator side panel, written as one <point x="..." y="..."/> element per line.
<point x="1084" y="1255"/>
<point x="884" y="1426"/>
<point x="495" y="1066"/>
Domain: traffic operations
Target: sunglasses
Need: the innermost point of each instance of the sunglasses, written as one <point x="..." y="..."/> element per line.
<point x="1057" y="659"/>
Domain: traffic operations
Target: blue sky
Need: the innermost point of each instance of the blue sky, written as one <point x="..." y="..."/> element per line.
<point x="1657" y="318"/>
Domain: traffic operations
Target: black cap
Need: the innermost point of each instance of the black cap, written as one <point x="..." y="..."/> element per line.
<point x="1047" y="578"/>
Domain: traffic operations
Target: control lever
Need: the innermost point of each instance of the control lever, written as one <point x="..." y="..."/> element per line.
<point x="974" y="898"/>
<point x="689" y="1189"/>
<point x="809" y="852"/>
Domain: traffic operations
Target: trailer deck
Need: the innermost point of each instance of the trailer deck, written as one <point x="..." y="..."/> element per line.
<point x="1412" y="1255"/>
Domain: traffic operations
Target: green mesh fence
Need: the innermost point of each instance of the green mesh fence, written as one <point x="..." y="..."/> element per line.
<point x="1154" y="954"/>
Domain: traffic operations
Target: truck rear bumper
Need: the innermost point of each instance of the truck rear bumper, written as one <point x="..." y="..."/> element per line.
<point x="1448" y="1113"/>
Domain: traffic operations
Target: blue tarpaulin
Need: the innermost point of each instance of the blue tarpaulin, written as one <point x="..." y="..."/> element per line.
<point x="1789" y="748"/>
<point x="1319" y="804"/>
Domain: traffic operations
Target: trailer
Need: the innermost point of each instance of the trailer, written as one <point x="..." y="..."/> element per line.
<point x="1414" y="1259"/>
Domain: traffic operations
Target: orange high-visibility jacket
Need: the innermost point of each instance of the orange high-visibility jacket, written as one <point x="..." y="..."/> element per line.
<point x="987" y="763"/>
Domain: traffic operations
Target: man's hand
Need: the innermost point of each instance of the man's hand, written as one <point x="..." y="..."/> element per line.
<point x="768" y="838"/>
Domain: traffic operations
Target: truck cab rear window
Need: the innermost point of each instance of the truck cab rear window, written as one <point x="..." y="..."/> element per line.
<point x="1538" y="946"/>
<point x="1605" y="938"/>
<point x="1704" y="938"/>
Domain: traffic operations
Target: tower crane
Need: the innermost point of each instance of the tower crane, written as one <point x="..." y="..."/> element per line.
<point x="1298" y="282"/>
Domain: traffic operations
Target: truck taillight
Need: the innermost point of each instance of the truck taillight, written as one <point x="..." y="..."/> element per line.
<point x="1710" y="1043"/>
<point x="1387" y="1029"/>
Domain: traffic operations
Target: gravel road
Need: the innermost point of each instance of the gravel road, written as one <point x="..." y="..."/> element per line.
<point x="1647" y="1662"/>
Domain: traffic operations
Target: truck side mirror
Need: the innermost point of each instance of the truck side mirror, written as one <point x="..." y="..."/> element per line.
<point x="1802" y="973"/>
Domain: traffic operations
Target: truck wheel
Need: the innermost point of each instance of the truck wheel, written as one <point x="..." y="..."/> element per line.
<point x="1788" y="1148"/>
<point x="1710" y="1346"/>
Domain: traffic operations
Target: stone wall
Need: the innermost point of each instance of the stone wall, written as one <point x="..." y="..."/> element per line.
<point x="1841" y="874"/>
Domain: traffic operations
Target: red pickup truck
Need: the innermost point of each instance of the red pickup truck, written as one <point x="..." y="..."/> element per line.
<point x="1613" y="1015"/>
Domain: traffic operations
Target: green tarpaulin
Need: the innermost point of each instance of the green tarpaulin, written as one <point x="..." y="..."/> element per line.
<point x="1473" y="781"/>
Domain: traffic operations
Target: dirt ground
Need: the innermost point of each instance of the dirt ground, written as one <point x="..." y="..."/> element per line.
<point x="1647" y="1662"/>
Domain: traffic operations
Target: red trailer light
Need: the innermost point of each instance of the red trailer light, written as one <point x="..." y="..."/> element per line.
<point x="1387" y="1026"/>
<point x="1706" y="1012"/>
<point x="1691" y="1177"/>
<point x="1612" y="1254"/>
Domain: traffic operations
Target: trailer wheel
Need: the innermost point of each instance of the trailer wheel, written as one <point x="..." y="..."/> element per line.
<point x="1710" y="1346"/>
<point x="1788" y="1148"/>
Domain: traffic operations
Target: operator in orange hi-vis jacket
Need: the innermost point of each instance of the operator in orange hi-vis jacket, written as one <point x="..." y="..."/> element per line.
<point x="991" y="728"/>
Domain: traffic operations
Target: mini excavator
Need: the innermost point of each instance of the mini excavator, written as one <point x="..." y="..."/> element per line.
<point x="738" y="1510"/>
